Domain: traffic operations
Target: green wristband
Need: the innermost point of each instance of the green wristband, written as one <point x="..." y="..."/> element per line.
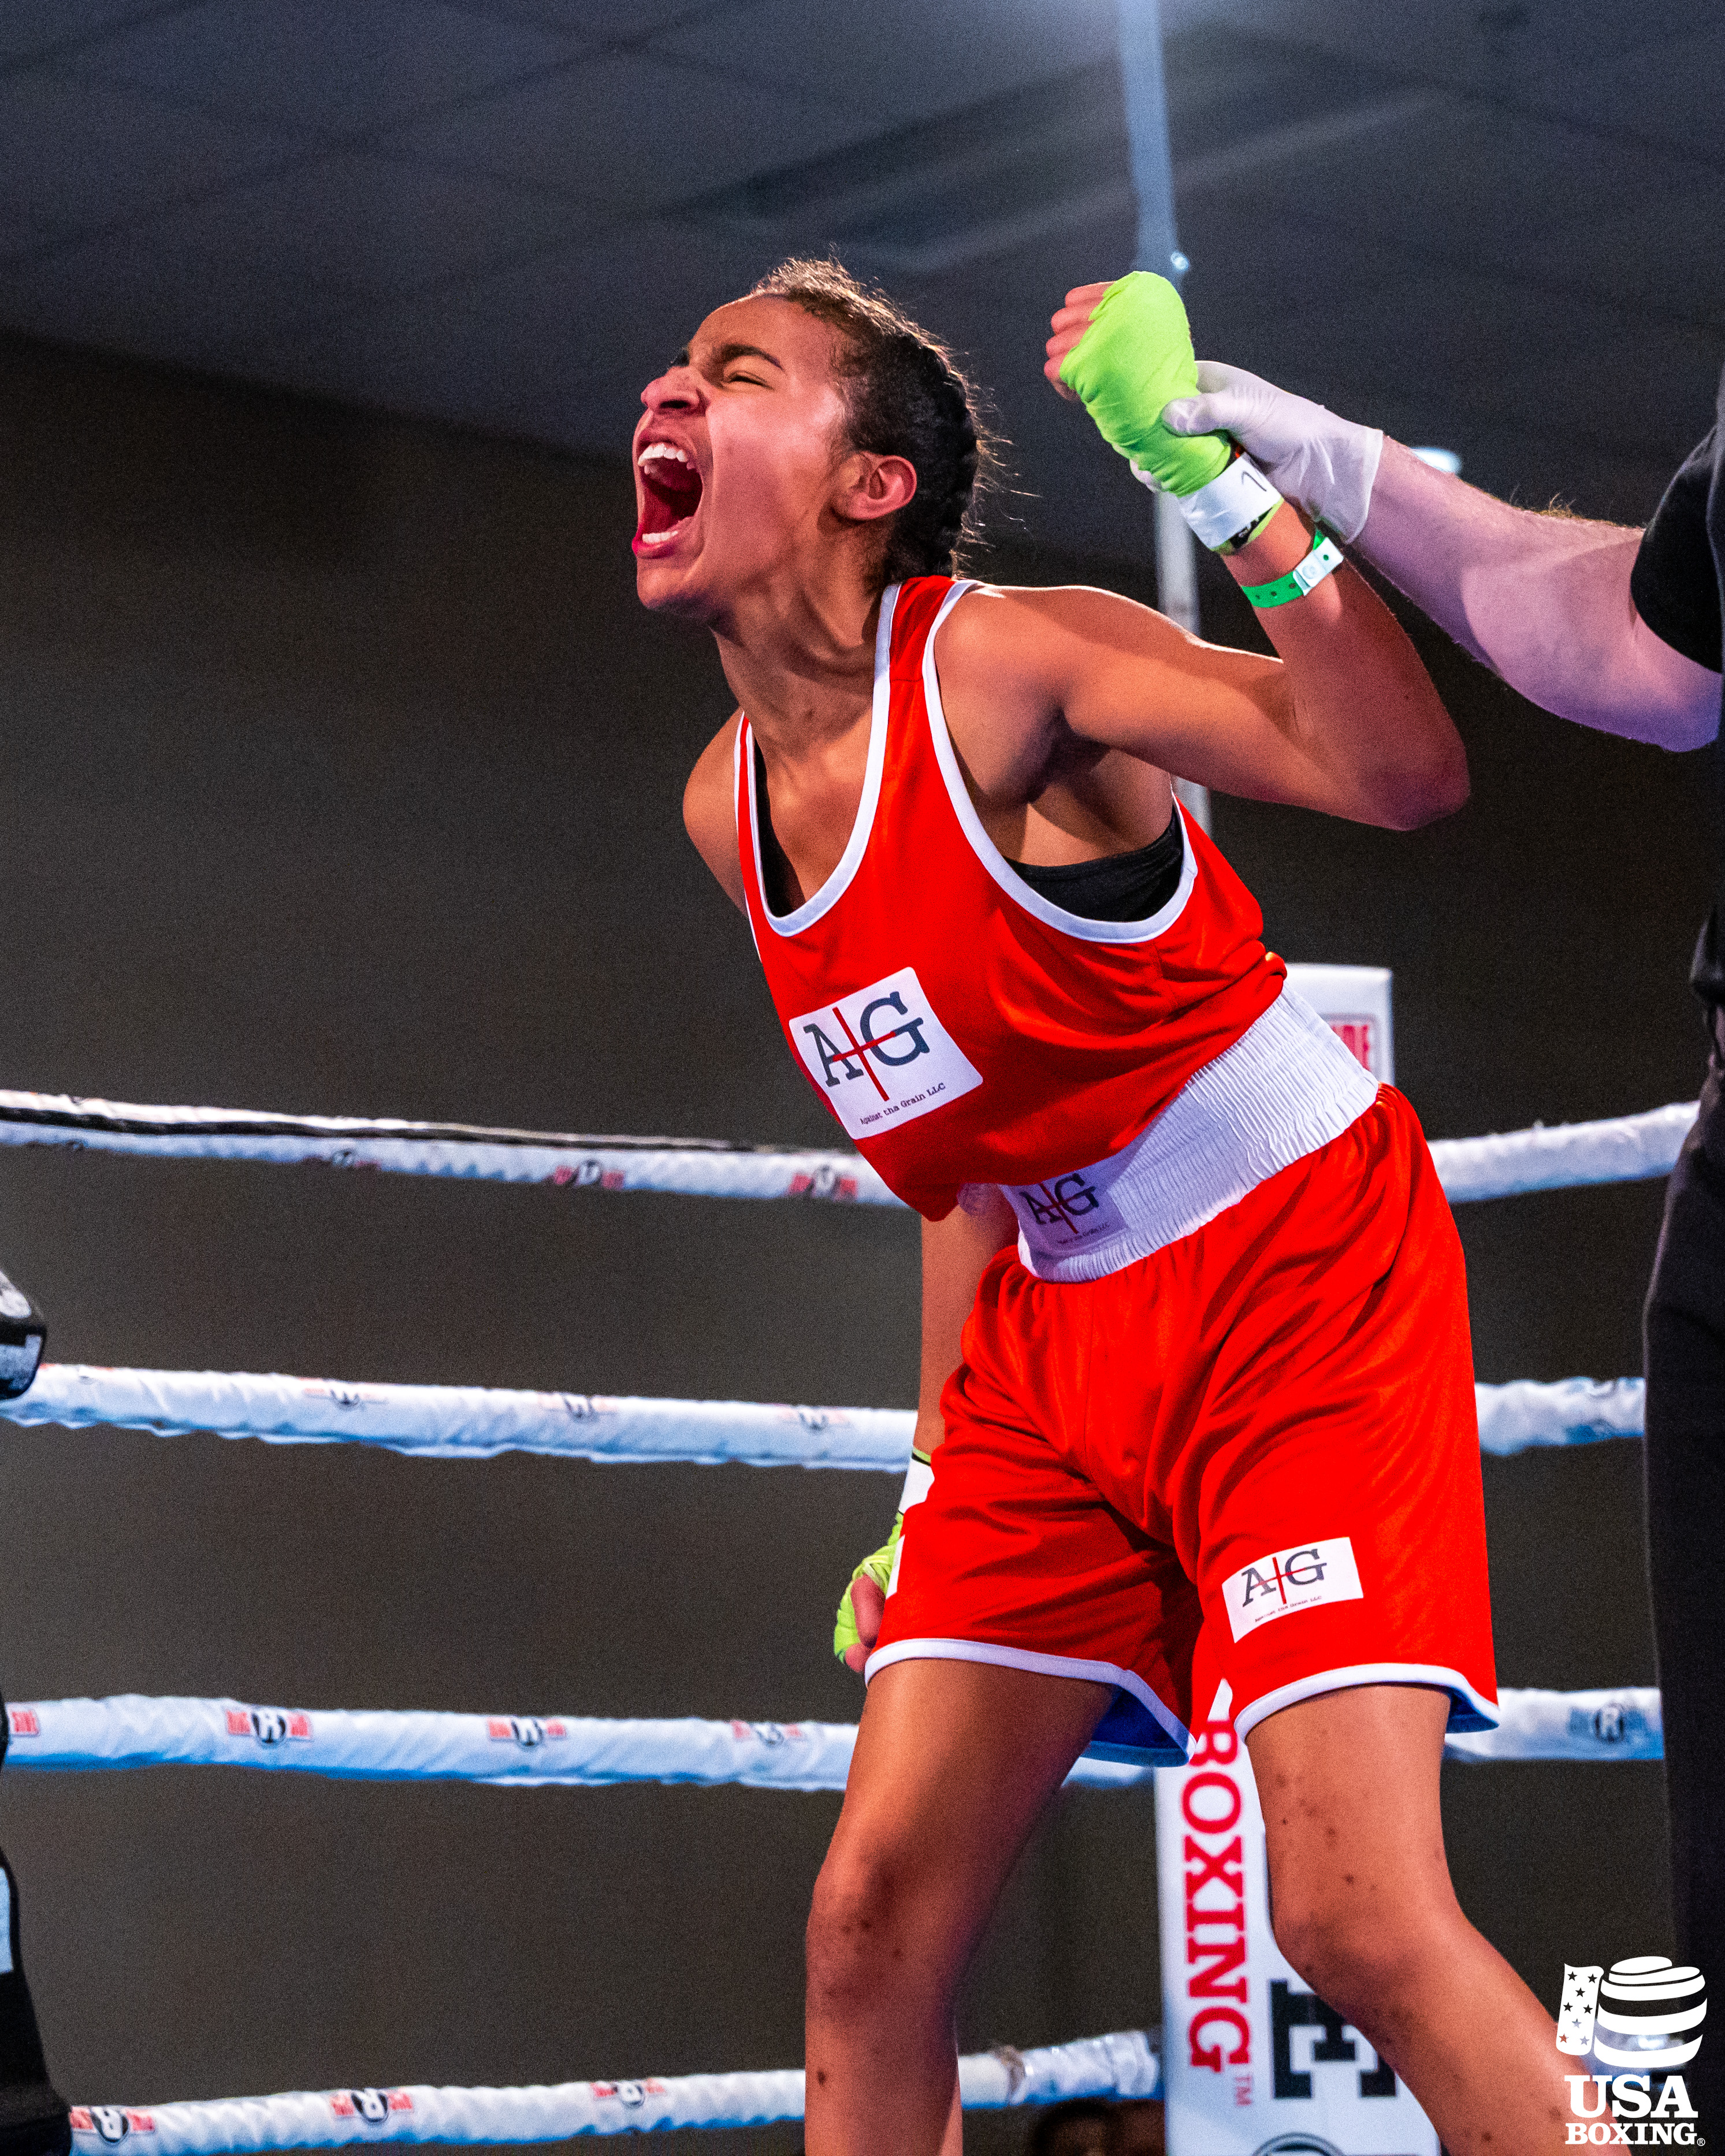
<point x="1304" y="577"/>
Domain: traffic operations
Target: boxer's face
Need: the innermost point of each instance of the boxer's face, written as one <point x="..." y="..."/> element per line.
<point x="736" y="458"/>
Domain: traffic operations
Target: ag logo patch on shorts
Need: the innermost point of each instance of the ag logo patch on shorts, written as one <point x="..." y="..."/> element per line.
<point x="882" y="1056"/>
<point x="1303" y="1578"/>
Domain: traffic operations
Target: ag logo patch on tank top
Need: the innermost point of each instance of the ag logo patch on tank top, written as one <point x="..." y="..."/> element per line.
<point x="882" y="1056"/>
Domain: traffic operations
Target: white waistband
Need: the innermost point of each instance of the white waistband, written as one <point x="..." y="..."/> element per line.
<point x="1285" y="1087"/>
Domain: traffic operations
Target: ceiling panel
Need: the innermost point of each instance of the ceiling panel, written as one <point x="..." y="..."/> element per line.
<point x="937" y="195"/>
<point x="80" y="153"/>
<point x="1657" y="253"/>
<point x="632" y="130"/>
<point x="356" y="226"/>
<point x="1446" y="177"/>
<point x="1667" y="91"/>
<point x="29" y="28"/>
<point x="900" y="59"/>
<point x="559" y="346"/>
<point x="608" y="22"/>
<point x="1493" y="46"/>
<point x="325" y="66"/>
<point x="1491" y="346"/>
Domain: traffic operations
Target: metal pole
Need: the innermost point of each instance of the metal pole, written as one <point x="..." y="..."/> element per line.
<point x="1159" y="248"/>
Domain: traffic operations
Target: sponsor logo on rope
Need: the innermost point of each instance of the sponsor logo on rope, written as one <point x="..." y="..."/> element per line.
<point x="770" y="1734"/>
<point x="584" y="1174"/>
<point x="345" y="1156"/>
<point x="1304" y="1578"/>
<point x="881" y="1057"/>
<point x="269" y="1725"/>
<point x="527" y="1730"/>
<point x="342" y="1396"/>
<point x="823" y="1181"/>
<point x="23" y="1721"/>
<point x="372" y="2106"/>
<point x="113" y="2121"/>
<point x="630" y="2094"/>
<point x="1641" y="2021"/>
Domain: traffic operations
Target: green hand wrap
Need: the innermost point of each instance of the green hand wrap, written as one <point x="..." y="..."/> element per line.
<point x="878" y="1567"/>
<point x="1134" y="358"/>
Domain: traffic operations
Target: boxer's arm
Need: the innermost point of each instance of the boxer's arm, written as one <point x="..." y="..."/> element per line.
<point x="956" y="1253"/>
<point x="1349" y="724"/>
<point x="709" y="811"/>
<point x="1346" y="721"/>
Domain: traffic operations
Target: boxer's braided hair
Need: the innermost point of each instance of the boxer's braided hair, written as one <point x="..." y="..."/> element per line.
<point x="907" y="397"/>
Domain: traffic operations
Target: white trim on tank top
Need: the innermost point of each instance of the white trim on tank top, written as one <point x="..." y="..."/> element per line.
<point x="838" y="882"/>
<point x="996" y="863"/>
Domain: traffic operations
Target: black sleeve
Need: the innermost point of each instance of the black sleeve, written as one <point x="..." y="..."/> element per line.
<point x="1675" y="583"/>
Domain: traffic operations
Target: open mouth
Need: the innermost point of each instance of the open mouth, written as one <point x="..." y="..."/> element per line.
<point x="670" y="495"/>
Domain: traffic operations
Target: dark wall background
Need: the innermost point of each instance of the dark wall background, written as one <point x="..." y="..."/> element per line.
<point x="342" y="773"/>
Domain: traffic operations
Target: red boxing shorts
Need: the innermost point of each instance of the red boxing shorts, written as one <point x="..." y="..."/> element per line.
<point x="1251" y="1456"/>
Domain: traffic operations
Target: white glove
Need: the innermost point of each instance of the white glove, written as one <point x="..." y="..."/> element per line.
<point x="1325" y="463"/>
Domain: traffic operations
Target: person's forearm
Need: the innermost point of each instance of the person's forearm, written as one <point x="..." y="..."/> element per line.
<point x="1363" y="707"/>
<point x="1543" y="600"/>
<point x="955" y="1252"/>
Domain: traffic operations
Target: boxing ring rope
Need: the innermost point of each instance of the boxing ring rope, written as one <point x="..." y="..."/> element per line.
<point x="1618" y="1149"/>
<point x="477" y="1422"/>
<point x="1124" y="2064"/>
<point x="523" y="1751"/>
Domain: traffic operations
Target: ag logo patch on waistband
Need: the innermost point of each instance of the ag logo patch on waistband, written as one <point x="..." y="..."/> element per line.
<point x="1304" y="1578"/>
<point x="882" y="1056"/>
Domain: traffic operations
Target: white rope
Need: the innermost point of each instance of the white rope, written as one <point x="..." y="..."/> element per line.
<point x="1573" y="1411"/>
<point x="576" y="1751"/>
<point x="1621" y="1149"/>
<point x="1624" y="1724"/>
<point x="697" y="1167"/>
<point x="1122" y="2065"/>
<point x="463" y="1422"/>
<point x="476" y="1422"/>
<point x="505" y="1750"/>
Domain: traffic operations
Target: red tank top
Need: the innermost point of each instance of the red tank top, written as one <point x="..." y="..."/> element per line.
<point x="961" y="1027"/>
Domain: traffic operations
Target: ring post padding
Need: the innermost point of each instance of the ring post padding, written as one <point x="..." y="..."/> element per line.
<point x="1124" y="2064"/>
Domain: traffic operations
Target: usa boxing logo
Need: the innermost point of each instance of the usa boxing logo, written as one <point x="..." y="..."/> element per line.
<point x="881" y="1057"/>
<point x="1643" y="2021"/>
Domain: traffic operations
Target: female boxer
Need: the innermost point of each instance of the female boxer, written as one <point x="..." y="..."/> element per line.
<point x="1206" y="1449"/>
